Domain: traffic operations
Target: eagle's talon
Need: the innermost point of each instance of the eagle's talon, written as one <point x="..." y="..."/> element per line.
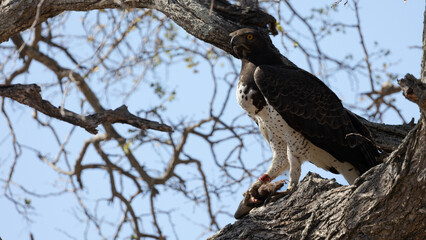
<point x="290" y="188"/>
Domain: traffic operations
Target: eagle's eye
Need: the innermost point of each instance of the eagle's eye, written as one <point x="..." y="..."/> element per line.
<point x="249" y="36"/>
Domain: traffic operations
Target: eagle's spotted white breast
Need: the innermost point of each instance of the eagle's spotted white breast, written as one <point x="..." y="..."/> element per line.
<point x="245" y="99"/>
<point x="289" y="147"/>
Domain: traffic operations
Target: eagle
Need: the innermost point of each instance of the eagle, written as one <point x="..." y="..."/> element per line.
<point x="298" y="115"/>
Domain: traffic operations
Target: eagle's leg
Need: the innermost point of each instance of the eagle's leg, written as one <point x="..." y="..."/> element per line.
<point x="279" y="165"/>
<point x="295" y="169"/>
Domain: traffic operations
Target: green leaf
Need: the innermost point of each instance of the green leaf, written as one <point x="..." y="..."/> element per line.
<point x="126" y="146"/>
<point x="279" y="27"/>
<point x="172" y="96"/>
<point x="295" y="44"/>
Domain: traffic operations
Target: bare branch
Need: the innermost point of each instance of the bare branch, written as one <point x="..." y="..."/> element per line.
<point x="364" y="48"/>
<point x="30" y="95"/>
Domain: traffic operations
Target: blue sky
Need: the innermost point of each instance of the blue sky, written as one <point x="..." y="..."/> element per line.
<point x="393" y="24"/>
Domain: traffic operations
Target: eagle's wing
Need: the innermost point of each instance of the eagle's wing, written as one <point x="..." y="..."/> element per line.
<point x="310" y="107"/>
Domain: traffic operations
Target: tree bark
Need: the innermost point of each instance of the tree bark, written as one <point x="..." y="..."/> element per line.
<point x="194" y="16"/>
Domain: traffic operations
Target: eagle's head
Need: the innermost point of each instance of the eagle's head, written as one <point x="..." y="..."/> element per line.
<point x="246" y="42"/>
<point x="252" y="45"/>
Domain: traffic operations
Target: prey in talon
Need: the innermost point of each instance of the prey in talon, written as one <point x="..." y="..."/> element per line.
<point x="266" y="193"/>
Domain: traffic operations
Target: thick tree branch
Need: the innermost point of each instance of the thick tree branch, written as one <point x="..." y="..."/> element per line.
<point x="30" y="95"/>
<point x="193" y="16"/>
<point x="387" y="137"/>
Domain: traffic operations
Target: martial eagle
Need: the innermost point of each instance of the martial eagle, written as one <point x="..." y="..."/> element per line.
<point x="298" y="115"/>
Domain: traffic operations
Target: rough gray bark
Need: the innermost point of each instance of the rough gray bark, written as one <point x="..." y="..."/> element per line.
<point x="387" y="136"/>
<point x="193" y="16"/>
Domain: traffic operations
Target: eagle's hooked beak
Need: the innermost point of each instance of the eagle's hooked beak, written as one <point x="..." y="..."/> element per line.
<point x="238" y="47"/>
<point x="233" y="42"/>
<point x="234" y="47"/>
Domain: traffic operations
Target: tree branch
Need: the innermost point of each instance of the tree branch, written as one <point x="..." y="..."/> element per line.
<point x="387" y="136"/>
<point x="193" y="16"/>
<point x="30" y="95"/>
